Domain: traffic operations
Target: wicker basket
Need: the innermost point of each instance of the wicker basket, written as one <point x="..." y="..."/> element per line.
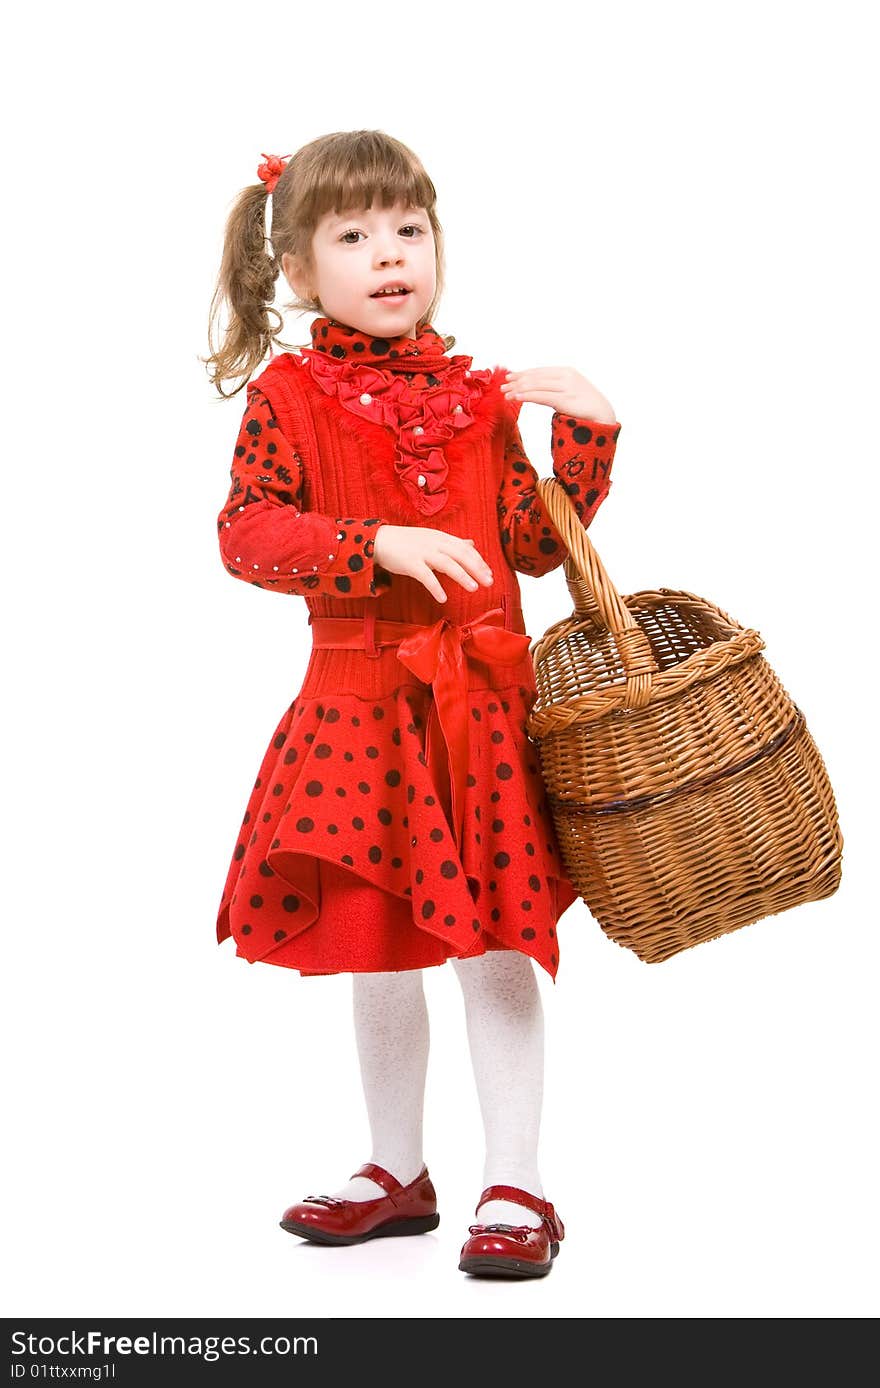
<point x="688" y="796"/>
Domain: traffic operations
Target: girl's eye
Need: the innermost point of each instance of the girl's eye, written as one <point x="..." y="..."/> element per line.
<point x="409" y="227"/>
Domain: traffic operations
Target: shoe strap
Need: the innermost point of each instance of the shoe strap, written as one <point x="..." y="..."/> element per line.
<point x="383" y="1178"/>
<point x="531" y="1202"/>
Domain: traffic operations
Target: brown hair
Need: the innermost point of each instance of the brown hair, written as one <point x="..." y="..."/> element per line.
<point x="341" y="172"/>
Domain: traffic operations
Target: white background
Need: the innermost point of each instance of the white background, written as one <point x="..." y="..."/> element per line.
<point x="675" y="200"/>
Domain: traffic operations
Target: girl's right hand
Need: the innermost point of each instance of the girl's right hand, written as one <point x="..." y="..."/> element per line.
<point x="418" y="552"/>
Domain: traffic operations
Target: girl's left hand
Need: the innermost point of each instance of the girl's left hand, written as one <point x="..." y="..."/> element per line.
<point x="563" y="389"/>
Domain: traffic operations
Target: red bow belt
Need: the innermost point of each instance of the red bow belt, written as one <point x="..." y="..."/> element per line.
<point x="436" y="654"/>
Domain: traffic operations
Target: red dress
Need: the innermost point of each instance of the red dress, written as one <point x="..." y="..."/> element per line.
<point x="398" y="817"/>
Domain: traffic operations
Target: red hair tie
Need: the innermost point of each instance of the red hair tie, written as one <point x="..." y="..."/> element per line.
<point x="271" y="171"/>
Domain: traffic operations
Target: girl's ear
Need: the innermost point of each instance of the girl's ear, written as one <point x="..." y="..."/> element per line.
<point x="294" y="273"/>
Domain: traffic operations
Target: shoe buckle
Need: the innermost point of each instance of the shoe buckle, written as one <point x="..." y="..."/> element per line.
<point x="515" y="1231"/>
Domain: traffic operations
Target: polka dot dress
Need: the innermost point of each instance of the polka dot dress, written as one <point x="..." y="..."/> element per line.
<point x="346" y="860"/>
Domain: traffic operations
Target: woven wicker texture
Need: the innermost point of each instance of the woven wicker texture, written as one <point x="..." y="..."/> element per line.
<point x="687" y="793"/>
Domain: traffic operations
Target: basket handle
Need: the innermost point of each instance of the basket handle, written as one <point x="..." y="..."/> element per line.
<point x="596" y="600"/>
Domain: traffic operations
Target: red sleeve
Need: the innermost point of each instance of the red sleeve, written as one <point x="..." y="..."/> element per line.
<point x="582" y="455"/>
<point x="267" y="540"/>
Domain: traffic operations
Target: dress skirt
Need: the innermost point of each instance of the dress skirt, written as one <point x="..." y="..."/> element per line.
<point x="346" y="860"/>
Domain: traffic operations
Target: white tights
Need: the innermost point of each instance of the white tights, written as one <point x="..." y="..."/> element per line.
<point x="505" y="1025"/>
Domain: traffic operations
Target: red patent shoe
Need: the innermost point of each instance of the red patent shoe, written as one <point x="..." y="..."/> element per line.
<point x="408" y="1209"/>
<point x="513" y="1250"/>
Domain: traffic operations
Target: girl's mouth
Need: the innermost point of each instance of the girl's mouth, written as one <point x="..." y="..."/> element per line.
<point x="396" y="294"/>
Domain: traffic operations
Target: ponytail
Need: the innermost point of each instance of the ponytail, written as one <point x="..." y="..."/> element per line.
<point x="247" y="283"/>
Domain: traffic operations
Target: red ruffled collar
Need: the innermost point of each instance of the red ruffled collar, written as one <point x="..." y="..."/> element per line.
<point x="408" y="384"/>
<point x="422" y="355"/>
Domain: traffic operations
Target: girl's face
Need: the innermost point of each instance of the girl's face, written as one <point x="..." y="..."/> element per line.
<point x="359" y="252"/>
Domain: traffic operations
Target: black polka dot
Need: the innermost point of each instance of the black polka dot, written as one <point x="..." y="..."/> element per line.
<point x="428" y="909"/>
<point x="323" y="749"/>
<point x="314" y="788"/>
<point x="528" y="933"/>
<point x="504" y="771"/>
<point x="305" y="825"/>
<point x="448" y="869"/>
<point x="256" y="902"/>
<point x="535" y="883"/>
<point x="375" y="854"/>
<point x="501" y="860"/>
<point x="280" y="935"/>
<point x="290" y="903"/>
<point x="392" y="778"/>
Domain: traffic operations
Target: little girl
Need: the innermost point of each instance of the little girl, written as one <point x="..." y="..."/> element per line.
<point x="399" y="819"/>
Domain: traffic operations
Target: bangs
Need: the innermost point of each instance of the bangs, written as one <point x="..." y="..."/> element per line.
<point x="363" y="173"/>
